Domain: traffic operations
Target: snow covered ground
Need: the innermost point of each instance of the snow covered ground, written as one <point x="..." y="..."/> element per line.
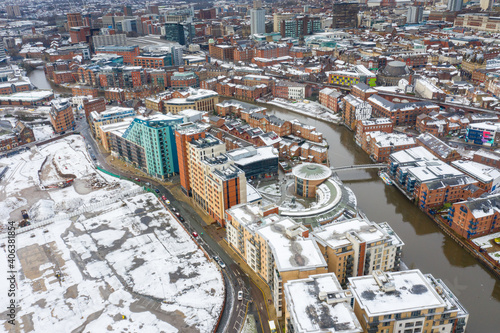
<point x="311" y="109"/>
<point x="43" y="132"/>
<point x="109" y="261"/>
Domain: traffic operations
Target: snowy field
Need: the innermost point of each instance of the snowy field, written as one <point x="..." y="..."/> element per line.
<point x="311" y="109"/>
<point x="113" y="260"/>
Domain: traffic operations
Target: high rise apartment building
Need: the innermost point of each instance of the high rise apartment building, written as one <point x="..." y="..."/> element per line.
<point x="257" y="21"/>
<point x="212" y="179"/>
<point x="149" y="144"/>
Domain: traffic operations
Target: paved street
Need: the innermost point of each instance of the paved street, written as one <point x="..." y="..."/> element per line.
<point x="210" y="238"/>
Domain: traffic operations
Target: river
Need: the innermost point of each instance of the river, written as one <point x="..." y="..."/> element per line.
<point x="426" y="247"/>
<point x="37" y="77"/>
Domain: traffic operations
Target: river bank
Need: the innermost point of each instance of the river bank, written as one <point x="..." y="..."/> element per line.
<point x="311" y="109"/>
<point x="427" y="246"/>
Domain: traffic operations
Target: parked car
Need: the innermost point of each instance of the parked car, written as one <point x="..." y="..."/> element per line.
<point x="147" y="184"/>
<point x="177" y="214"/>
<point x="195" y="234"/>
<point x="137" y="180"/>
<point x="164" y="198"/>
<point x="240" y="295"/>
<point x="181" y="219"/>
<point x="173" y="209"/>
<point x="167" y="202"/>
<point x="157" y="190"/>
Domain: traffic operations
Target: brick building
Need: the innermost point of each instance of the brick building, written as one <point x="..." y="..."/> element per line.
<point x="15" y="136"/>
<point x="475" y="217"/>
<point x="400" y="113"/>
<point x="84" y="91"/>
<point x="97" y="104"/>
<point x="61" y="115"/>
<point x="330" y="98"/>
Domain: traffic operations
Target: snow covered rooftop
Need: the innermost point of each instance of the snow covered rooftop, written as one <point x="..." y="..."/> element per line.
<point x="318" y="304"/>
<point x="340" y="234"/>
<point x="384" y="139"/>
<point x="248" y="155"/>
<point x="312" y="171"/>
<point x="412" y="155"/>
<point x="406" y="291"/>
<point x="290" y="250"/>
<point x="481" y="172"/>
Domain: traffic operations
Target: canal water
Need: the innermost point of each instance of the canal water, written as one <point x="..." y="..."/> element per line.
<point x="426" y="247"/>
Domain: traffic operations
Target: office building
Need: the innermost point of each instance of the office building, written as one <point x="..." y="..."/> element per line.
<point x="415" y="14"/>
<point x="257" y="163"/>
<point x="406" y="301"/>
<point x="196" y="99"/>
<point x="455" y="5"/>
<point x="278" y="17"/>
<point x="173" y="31"/>
<point x="345" y="15"/>
<point x="61" y="115"/>
<point x="300" y="26"/>
<point x="257" y="21"/>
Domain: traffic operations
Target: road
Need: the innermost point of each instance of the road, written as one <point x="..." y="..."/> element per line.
<point x="235" y="279"/>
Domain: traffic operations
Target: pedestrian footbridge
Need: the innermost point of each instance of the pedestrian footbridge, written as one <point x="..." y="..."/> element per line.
<point x="360" y="167"/>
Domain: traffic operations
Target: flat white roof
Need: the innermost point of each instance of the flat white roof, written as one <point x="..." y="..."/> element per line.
<point x="291" y="254"/>
<point x="334" y="235"/>
<point x="312" y="314"/>
<point x="412" y="292"/>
